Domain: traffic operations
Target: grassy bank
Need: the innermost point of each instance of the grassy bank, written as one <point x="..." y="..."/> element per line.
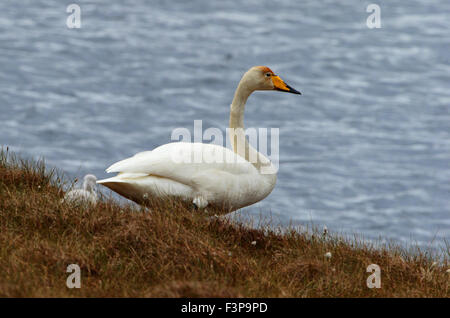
<point x="174" y="251"/>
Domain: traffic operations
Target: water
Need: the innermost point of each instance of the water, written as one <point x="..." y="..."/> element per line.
<point x="365" y="149"/>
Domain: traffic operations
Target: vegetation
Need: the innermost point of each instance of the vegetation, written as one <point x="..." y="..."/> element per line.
<point x="172" y="250"/>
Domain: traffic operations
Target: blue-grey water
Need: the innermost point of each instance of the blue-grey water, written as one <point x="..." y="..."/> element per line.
<point x="365" y="149"/>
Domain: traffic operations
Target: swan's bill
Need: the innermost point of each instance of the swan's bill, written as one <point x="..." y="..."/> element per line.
<point x="280" y="85"/>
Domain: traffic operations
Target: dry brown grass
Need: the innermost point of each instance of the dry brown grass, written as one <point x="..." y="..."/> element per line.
<point x="174" y="251"/>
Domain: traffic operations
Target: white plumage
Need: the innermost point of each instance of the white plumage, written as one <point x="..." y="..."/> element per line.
<point x="232" y="181"/>
<point x="86" y="195"/>
<point x="204" y="173"/>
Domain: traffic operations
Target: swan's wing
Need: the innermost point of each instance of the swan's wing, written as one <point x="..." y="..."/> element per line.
<point x="182" y="162"/>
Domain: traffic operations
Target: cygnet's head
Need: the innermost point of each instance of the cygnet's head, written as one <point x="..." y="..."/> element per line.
<point x="262" y="78"/>
<point x="89" y="182"/>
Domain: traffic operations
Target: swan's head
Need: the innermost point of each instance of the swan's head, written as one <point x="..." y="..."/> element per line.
<point x="262" y="78"/>
<point x="89" y="182"/>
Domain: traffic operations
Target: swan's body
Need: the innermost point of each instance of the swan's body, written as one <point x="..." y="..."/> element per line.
<point x="86" y="195"/>
<point x="204" y="173"/>
<point x="234" y="182"/>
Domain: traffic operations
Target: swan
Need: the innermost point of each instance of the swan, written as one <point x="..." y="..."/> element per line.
<point x="86" y="195"/>
<point x="205" y="174"/>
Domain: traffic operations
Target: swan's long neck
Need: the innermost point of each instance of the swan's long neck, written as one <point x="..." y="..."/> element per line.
<point x="237" y="131"/>
<point x="88" y="186"/>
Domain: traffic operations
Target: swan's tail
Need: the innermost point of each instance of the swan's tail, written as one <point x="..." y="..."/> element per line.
<point x="123" y="184"/>
<point x="139" y="187"/>
<point x="123" y="177"/>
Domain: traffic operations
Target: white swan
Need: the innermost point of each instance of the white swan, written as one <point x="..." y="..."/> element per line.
<point x="205" y="174"/>
<point x="86" y="195"/>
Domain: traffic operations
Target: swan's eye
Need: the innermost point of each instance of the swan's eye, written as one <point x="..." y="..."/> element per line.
<point x="268" y="74"/>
